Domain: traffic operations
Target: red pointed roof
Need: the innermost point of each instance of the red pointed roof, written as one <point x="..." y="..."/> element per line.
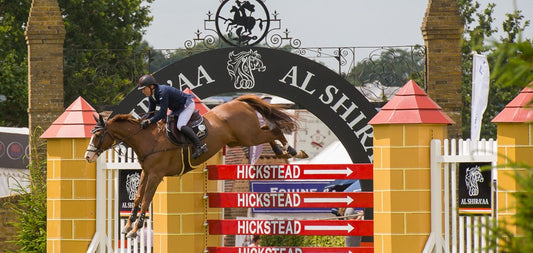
<point x="518" y="110"/>
<point x="76" y="122"/>
<point x="411" y="105"/>
<point x="198" y="104"/>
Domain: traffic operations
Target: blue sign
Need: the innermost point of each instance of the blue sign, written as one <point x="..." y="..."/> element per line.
<point x="289" y="186"/>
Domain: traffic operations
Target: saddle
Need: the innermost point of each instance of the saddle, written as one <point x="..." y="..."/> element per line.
<point x="196" y="123"/>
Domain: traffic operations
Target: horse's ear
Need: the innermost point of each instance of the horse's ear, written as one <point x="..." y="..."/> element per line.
<point x="101" y="120"/>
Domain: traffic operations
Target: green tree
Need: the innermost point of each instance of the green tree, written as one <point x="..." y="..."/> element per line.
<point x="102" y="48"/>
<point x="103" y="52"/>
<point x="389" y="67"/>
<point x="160" y="58"/>
<point x="511" y="62"/>
<point x="13" y="67"/>
<point x="479" y="27"/>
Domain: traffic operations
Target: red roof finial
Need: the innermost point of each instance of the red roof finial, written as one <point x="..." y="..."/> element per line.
<point x="518" y="110"/>
<point x="76" y="122"/>
<point x="411" y="105"/>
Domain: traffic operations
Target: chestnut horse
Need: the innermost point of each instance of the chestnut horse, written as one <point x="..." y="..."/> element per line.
<point x="234" y="124"/>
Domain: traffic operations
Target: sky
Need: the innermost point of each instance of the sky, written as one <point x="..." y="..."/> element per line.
<point x="318" y="23"/>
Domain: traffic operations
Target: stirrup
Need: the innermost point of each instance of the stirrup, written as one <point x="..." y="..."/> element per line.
<point x="199" y="151"/>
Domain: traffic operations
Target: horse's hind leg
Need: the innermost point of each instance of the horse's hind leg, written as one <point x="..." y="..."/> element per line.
<point x="279" y="150"/>
<point x="138" y="198"/>
<point x="151" y="186"/>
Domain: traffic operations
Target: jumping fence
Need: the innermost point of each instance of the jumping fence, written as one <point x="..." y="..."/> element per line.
<point x="462" y="233"/>
<point x="291" y="172"/>
<point x="109" y="221"/>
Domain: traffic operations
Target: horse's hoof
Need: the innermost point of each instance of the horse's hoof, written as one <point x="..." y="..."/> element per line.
<point x="301" y="154"/>
<point x="132" y="235"/>
<point x="126" y="229"/>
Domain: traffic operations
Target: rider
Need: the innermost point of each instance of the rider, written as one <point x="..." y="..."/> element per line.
<point x="178" y="102"/>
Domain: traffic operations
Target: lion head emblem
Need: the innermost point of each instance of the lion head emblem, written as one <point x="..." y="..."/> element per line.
<point x="241" y="67"/>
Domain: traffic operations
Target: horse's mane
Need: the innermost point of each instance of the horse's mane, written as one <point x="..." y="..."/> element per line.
<point x="272" y="112"/>
<point x="123" y="117"/>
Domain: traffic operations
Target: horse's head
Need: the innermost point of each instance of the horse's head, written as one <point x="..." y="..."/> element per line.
<point x="101" y="140"/>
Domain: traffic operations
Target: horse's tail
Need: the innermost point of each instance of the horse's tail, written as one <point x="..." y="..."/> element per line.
<point x="272" y="113"/>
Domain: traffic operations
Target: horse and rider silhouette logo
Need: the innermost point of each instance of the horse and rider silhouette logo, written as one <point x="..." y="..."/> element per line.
<point x="242" y="23"/>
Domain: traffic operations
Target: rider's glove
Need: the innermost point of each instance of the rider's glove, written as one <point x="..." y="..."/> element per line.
<point x="145" y="123"/>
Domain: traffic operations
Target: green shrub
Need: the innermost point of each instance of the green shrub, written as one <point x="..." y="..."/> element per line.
<point x="302" y="241"/>
<point x="501" y="237"/>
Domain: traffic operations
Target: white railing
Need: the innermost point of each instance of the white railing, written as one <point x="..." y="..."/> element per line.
<point x="108" y="221"/>
<point x="462" y="234"/>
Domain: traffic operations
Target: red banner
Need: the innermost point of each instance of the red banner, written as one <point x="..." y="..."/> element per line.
<point x="290" y="250"/>
<point x="292" y="227"/>
<point x="287" y="200"/>
<point x="290" y="171"/>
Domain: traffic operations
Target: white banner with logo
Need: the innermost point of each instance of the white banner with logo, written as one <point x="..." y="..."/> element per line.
<point x="480" y="93"/>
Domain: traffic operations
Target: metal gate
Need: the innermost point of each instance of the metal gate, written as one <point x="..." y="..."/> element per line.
<point x="461" y="233"/>
<point x="109" y="222"/>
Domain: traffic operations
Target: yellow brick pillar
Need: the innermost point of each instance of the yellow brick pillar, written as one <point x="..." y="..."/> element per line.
<point x="179" y="211"/>
<point x="515" y="144"/>
<point x="403" y="131"/>
<point x="71" y="181"/>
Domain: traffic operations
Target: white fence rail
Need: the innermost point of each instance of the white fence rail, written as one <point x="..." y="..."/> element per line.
<point x="462" y="234"/>
<point x="108" y="221"/>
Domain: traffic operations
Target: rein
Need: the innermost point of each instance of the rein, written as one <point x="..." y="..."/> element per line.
<point x="97" y="148"/>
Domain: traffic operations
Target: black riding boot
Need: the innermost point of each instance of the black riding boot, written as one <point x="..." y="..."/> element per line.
<point x="199" y="147"/>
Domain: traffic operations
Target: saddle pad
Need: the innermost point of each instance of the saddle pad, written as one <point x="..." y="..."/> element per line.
<point x="196" y="123"/>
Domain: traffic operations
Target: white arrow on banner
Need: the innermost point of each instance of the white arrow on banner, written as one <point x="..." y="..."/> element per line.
<point x="348" y="228"/>
<point x="346" y="200"/>
<point x="346" y="172"/>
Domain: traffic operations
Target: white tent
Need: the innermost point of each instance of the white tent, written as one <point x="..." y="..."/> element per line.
<point x="334" y="153"/>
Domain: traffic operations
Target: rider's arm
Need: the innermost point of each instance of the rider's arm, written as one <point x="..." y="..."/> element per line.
<point x="151" y="109"/>
<point x="163" y="107"/>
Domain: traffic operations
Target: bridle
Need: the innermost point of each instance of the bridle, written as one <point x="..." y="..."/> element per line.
<point x="98" y="147"/>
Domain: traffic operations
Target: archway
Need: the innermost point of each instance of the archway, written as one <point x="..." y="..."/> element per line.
<point x="262" y="70"/>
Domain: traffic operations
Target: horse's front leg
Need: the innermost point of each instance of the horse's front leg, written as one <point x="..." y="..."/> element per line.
<point x="151" y="187"/>
<point x="136" y="203"/>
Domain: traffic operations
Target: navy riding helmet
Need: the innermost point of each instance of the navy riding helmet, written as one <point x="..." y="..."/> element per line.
<point x="145" y="81"/>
